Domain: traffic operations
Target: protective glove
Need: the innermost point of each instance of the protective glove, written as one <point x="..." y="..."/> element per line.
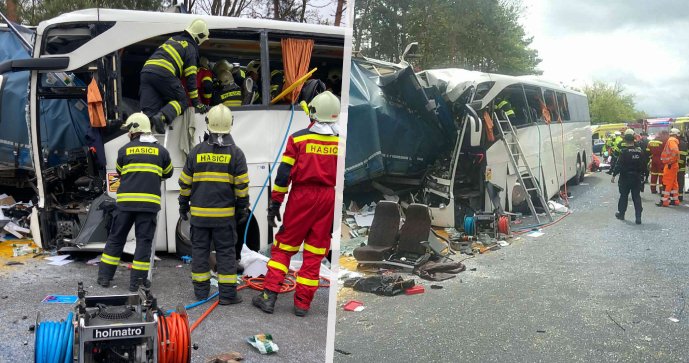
<point x="184" y="212"/>
<point x="242" y="215"/>
<point x="274" y="211"/>
<point x="201" y="108"/>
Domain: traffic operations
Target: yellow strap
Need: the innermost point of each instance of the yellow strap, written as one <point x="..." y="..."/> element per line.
<point x="185" y="192"/>
<point x="241" y="193"/>
<point x="201" y="276"/>
<point x="194" y="94"/>
<point x="315" y="250"/>
<point x="279" y="189"/>
<point x="110" y="260"/>
<point x="168" y="169"/>
<point x="241" y="179"/>
<point x="211" y="176"/>
<point x="190" y="70"/>
<point x="232" y="103"/>
<point x="227" y="279"/>
<point x="206" y="78"/>
<point x="141" y="265"/>
<point x="288" y="160"/>
<point x="212" y="212"/>
<point x="277" y="265"/>
<point x="184" y="178"/>
<point x="286" y="247"/>
<point x="307" y="282"/>
<point x="138" y="197"/>
<point x="174" y="55"/>
<point x="327" y="138"/>
<point x="177" y="107"/>
<point x="161" y="63"/>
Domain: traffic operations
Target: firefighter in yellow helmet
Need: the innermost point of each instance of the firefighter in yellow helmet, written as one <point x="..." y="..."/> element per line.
<point x="142" y="164"/>
<point x="227" y="92"/>
<point x="214" y="189"/>
<point x="162" y="95"/>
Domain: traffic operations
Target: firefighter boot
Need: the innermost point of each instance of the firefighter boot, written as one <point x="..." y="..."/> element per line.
<point x="619" y="216"/>
<point x="105" y="273"/>
<point x="202" y="289"/>
<point x="229" y="296"/>
<point x="137" y="278"/>
<point x="265" y="301"/>
<point x="300" y="312"/>
<point x="158" y="122"/>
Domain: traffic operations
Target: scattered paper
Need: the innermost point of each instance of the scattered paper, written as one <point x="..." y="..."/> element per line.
<point x="364" y="220"/>
<point x="503" y="243"/>
<point x="535" y="234"/>
<point x="60" y="299"/>
<point x="354" y="305"/>
<point x="264" y="343"/>
<point x="93" y="261"/>
<point x="674" y="320"/>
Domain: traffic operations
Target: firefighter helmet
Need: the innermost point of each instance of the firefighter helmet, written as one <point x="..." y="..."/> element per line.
<point x="629" y="132"/>
<point x="203" y="62"/>
<point x="198" y="29"/>
<point x="325" y="107"/>
<point x="138" y="123"/>
<point x="221" y="66"/>
<point x="618" y="133"/>
<point x="219" y="119"/>
<point x="674" y="131"/>
<point x="253" y="66"/>
<point x="225" y="77"/>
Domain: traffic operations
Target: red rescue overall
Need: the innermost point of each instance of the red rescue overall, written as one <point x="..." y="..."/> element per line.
<point x="310" y="164"/>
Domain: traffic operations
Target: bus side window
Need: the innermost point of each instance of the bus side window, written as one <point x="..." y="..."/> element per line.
<point x="534" y="99"/>
<point x="514" y="95"/>
<point x="564" y="106"/>
<point x="551" y="104"/>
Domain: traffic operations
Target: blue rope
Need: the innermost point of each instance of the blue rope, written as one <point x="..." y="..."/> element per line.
<point x="193" y="305"/>
<point x="54" y="341"/>
<point x="270" y="172"/>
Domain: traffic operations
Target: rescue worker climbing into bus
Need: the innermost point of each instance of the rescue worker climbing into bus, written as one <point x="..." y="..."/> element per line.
<point x="214" y="189"/>
<point x="309" y="163"/>
<point x="141" y="164"/>
<point x="631" y="167"/>
<point x="227" y="92"/>
<point x="654" y="150"/>
<point x="683" y="146"/>
<point x="503" y="108"/>
<point x="162" y="94"/>
<point x="670" y="159"/>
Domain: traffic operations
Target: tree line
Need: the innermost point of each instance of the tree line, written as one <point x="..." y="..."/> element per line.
<point x="482" y="35"/>
<point x="610" y="103"/>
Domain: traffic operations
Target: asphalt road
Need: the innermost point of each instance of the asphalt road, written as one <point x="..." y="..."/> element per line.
<point x="23" y="287"/>
<point x="592" y="289"/>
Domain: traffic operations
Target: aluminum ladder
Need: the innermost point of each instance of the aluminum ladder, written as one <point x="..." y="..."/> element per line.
<point x="523" y="170"/>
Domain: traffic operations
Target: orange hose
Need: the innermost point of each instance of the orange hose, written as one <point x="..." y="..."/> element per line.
<point x="173" y="338"/>
<point x="504" y="225"/>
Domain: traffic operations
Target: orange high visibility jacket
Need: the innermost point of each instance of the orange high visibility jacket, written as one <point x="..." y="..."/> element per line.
<point x="670" y="154"/>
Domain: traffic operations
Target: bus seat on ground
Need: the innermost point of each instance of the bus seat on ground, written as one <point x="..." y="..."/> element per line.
<point x="382" y="234"/>
<point x="415" y="230"/>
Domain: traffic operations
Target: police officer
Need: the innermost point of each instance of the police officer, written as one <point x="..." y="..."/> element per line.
<point x="309" y="163"/>
<point x="631" y="167"/>
<point x="141" y="164"/>
<point x="227" y="92"/>
<point x="215" y="189"/>
<point x="163" y="96"/>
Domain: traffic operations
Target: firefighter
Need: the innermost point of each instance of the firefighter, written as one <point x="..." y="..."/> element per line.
<point x="227" y="92"/>
<point x="670" y="160"/>
<point x="309" y="163"/>
<point x="503" y="108"/>
<point x="214" y="189"/>
<point x="277" y="80"/>
<point x="204" y="83"/>
<point x="643" y="144"/>
<point x="630" y="166"/>
<point x="163" y="96"/>
<point x="142" y="164"/>
<point x="654" y="149"/>
<point x="682" y="165"/>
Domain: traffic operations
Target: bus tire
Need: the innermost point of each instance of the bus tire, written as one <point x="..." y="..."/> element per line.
<point x="577" y="177"/>
<point x="584" y="168"/>
<point x="183" y="238"/>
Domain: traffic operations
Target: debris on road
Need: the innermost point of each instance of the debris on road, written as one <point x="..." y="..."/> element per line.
<point x="383" y="285"/>
<point x="60" y="299"/>
<point x="231" y="357"/>
<point x="415" y="290"/>
<point x="674" y="320"/>
<point x="263" y="343"/>
<point x="353" y="305"/>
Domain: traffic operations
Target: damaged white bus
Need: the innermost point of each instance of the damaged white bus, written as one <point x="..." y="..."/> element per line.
<point x="74" y="163"/>
<point x="436" y="139"/>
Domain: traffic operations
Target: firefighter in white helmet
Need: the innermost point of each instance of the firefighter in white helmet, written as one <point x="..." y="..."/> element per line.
<point x="227" y="92"/>
<point x="163" y="96"/>
<point x="214" y="189"/>
<point x="141" y="164"/>
<point x="309" y="163"/>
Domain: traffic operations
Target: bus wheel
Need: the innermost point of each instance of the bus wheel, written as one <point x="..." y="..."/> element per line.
<point x="584" y="167"/>
<point x="577" y="177"/>
<point x="183" y="238"/>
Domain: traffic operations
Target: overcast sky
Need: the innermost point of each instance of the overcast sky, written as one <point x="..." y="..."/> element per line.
<point x="643" y="44"/>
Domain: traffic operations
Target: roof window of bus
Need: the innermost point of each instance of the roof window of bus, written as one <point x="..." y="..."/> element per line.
<point x="514" y="96"/>
<point x="65" y="38"/>
<point x="325" y="57"/>
<point x="564" y="106"/>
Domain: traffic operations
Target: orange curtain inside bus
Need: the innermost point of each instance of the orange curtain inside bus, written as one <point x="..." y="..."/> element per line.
<point x="296" y="57"/>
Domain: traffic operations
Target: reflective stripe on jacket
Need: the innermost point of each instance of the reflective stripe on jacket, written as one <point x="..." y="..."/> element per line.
<point x="215" y="183"/>
<point x="177" y="57"/>
<point x="142" y="166"/>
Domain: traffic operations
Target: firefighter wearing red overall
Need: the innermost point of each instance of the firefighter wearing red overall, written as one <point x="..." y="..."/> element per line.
<point x="309" y="163"/>
<point x="670" y="158"/>
<point x="653" y="150"/>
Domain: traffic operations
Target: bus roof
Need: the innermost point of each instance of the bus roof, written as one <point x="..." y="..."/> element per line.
<point x="214" y="22"/>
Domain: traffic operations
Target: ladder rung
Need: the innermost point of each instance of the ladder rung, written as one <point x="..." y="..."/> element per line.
<point x="530" y="189"/>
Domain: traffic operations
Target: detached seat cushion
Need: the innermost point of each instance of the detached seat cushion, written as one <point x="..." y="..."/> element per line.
<point x="416" y="229"/>
<point x="382" y="237"/>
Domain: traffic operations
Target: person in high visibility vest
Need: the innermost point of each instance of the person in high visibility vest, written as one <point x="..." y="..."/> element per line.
<point x="227" y="92"/>
<point x="670" y="159"/>
<point x="214" y="189"/>
<point x="162" y="95"/>
<point x="309" y="163"/>
<point x="654" y="150"/>
<point x="142" y="164"/>
<point x="616" y="143"/>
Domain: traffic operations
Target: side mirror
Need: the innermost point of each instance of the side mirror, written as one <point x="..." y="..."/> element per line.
<point x="34" y="64"/>
<point x="410" y="51"/>
<point x="473" y="124"/>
